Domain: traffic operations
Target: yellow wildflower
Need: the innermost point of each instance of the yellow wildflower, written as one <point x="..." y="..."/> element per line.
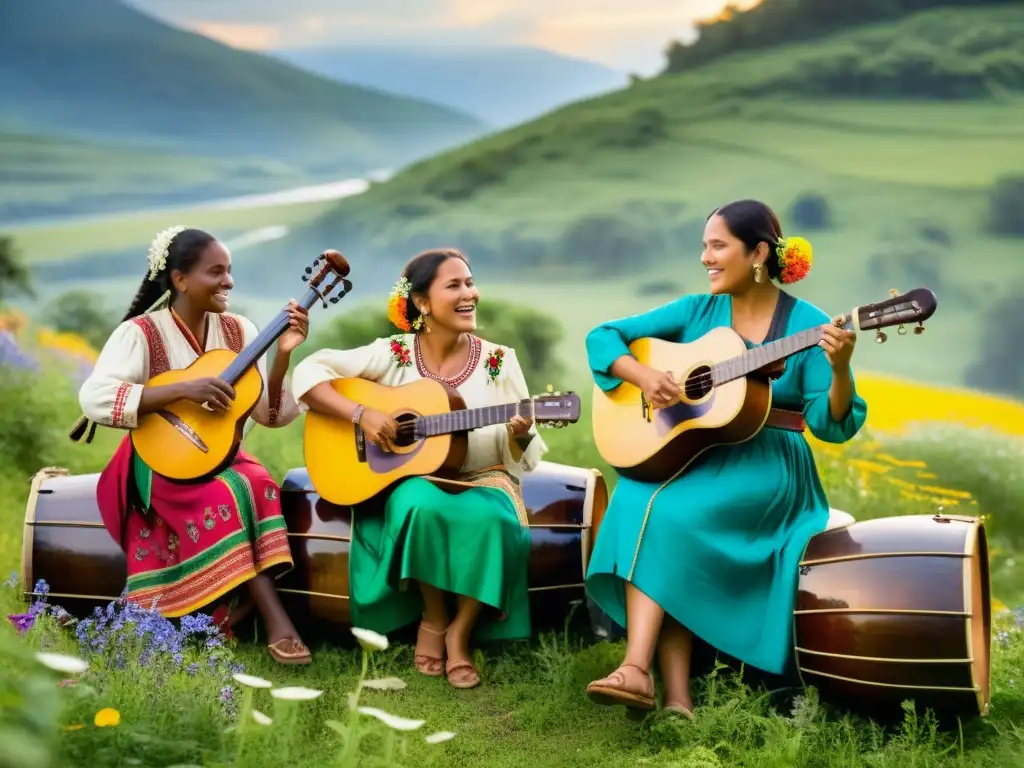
<point x="107" y="717"/>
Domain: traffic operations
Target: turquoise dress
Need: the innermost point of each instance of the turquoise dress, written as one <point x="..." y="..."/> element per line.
<point x="722" y="544"/>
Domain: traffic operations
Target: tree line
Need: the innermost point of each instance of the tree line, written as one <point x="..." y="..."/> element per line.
<point x="778" y="22"/>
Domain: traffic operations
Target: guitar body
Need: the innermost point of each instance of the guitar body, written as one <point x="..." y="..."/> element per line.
<point x="165" y="446"/>
<point x="346" y="469"/>
<point x="653" y="445"/>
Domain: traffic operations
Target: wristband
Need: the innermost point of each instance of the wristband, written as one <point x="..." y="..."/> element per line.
<point x="358" y="414"/>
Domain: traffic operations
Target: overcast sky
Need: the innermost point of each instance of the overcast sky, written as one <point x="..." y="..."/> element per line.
<point x="627" y="34"/>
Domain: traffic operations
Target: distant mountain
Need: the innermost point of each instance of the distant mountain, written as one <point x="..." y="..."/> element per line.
<point x="502" y="85"/>
<point x="98" y="69"/>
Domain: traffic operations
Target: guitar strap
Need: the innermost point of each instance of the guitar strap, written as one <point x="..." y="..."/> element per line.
<point x="780" y="318"/>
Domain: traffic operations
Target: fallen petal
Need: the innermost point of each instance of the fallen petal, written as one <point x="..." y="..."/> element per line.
<point x="385" y="684"/>
<point x="61" y="663"/>
<point x="370" y="640"/>
<point x="440" y="736"/>
<point x="252" y="681"/>
<point x="295" y="693"/>
<point x="392" y="721"/>
<point x="260" y="718"/>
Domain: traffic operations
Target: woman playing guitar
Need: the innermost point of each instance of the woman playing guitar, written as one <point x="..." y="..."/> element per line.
<point x="474" y="544"/>
<point x="714" y="552"/>
<point x="189" y="544"/>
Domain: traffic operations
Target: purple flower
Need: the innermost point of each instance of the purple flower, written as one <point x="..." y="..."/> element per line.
<point x="22" y="622"/>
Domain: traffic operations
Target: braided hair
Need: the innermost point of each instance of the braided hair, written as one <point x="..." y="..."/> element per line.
<point x="183" y="252"/>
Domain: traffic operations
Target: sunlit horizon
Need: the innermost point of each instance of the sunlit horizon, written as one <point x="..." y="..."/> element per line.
<point x="629" y="36"/>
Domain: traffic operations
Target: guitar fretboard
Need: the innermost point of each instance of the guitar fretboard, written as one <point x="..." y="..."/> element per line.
<point x="470" y="418"/>
<point x="759" y="357"/>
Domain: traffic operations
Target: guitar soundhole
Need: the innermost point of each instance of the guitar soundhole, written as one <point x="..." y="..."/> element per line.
<point x="406" y="423"/>
<point x="698" y="383"/>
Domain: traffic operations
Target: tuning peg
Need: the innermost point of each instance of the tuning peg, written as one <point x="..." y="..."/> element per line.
<point x="335" y="299"/>
<point x="919" y="329"/>
<point x="347" y="285"/>
<point x="305" y="278"/>
<point x="309" y="270"/>
<point x="880" y="337"/>
<point x="901" y="330"/>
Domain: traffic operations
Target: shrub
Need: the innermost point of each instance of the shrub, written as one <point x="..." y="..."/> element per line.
<point x="1006" y="206"/>
<point x="811" y="212"/>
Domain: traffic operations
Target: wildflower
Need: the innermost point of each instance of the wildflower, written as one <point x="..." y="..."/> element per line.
<point x="385" y="684"/>
<point x="439" y="737"/>
<point x="295" y="693"/>
<point x="260" y="718"/>
<point x="252" y="681"/>
<point x="22" y="622"/>
<point x="370" y="640"/>
<point x="61" y="663"/>
<point x="107" y="717"/>
<point x="392" y="721"/>
<point x="12" y="580"/>
<point x="227" y="694"/>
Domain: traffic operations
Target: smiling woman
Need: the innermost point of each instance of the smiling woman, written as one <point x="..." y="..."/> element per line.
<point x="189" y="545"/>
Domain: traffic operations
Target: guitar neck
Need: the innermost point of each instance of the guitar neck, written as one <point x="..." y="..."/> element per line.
<point x="763" y="356"/>
<point x="249" y="356"/>
<point x="469" y="418"/>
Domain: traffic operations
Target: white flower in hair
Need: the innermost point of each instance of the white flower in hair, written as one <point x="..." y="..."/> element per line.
<point x="159" y="248"/>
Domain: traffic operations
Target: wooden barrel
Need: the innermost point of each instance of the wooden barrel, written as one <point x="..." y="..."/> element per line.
<point x="564" y="505"/>
<point x="897" y="608"/>
<point x="66" y="544"/>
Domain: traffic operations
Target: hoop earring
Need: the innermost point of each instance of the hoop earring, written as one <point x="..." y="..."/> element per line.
<point x="759" y="274"/>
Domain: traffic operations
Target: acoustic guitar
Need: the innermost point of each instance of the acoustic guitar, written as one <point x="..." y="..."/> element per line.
<point x="726" y="395"/>
<point x="433" y="425"/>
<point x="187" y="441"/>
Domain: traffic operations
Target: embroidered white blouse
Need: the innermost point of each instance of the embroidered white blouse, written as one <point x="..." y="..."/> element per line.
<point x="396" y="360"/>
<point x="153" y="343"/>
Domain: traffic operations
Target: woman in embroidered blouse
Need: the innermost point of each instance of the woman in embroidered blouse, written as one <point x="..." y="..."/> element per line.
<point x="189" y="545"/>
<point x="474" y="544"/>
<point x="714" y="552"/>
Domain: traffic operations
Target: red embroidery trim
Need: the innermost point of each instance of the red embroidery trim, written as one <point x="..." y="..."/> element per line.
<point x="159" y="362"/>
<point x="120" y="398"/>
<point x="233" y="334"/>
<point x="456" y="381"/>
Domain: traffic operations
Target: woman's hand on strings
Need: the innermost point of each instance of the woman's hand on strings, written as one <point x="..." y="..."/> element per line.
<point x="661" y="387"/>
<point x="379" y="428"/>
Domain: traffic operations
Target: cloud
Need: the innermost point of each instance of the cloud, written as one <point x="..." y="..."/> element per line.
<point x="628" y="34"/>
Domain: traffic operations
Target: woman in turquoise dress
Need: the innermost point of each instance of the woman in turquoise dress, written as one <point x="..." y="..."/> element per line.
<point x="431" y="541"/>
<point x="717" y="554"/>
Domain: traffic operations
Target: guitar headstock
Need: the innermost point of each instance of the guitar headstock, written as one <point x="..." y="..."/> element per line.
<point x="556" y="409"/>
<point x="914" y="306"/>
<point x="329" y="262"/>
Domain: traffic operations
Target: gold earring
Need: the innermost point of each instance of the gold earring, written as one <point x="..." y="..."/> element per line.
<point x="758" y="273"/>
<point x="425" y="314"/>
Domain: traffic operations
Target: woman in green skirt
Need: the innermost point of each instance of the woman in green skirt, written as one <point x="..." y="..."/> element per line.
<point x="715" y="552"/>
<point x="474" y="544"/>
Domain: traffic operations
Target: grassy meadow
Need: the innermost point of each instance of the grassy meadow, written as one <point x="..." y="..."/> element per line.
<point x="531" y="709"/>
<point x="893" y="146"/>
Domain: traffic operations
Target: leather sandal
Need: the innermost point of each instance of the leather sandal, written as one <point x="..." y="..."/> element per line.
<point x="462" y="674"/>
<point x="679" y="709"/>
<point x="287" y="650"/>
<point x="431" y="666"/>
<point x="612" y="690"/>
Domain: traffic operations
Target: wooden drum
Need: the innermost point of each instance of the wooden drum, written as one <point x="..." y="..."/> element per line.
<point x="897" y="608"/>
<point x="66" y="544"/>
<point x="565" y="505"/>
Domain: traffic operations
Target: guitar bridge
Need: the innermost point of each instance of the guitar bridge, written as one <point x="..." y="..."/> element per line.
<point x="645" y="408"/>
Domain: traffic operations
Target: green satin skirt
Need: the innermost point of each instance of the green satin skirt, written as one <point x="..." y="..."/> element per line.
<point x="469" y="543"/>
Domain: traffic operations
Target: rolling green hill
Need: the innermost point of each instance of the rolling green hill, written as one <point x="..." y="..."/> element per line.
<point x="100" y="71"/>
<point x="598" y="208"/>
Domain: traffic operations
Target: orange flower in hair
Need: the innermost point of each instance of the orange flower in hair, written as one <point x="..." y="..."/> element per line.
<point x="398" y="303"/>
<point x="795" y="257"/>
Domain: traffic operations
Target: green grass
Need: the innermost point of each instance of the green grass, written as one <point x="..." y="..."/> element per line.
<point x="531" y="710"/>
<point x="53" y="176"/>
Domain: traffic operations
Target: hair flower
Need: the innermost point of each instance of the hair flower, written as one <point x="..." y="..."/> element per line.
<point x="795" y="257"/>
<point x="159" y="248"/>
<point x="398" y="303"/>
